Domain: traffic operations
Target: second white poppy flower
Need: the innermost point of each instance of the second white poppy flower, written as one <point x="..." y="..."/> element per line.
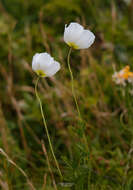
<point x="77" y="37"/>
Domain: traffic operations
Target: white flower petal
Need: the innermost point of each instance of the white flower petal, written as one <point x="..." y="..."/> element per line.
<point x="73" y="32"/>
<point x="35" y="66"/>
<point x="45" y="60"/>
<point x="86" y="39"/>
<point x="52" y="69"/>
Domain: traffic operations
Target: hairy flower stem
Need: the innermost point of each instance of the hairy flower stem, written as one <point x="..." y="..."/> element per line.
<point x="46" y="128"/>
<point x="74" y="95"/>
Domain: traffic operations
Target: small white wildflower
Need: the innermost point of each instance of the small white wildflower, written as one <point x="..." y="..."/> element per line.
<point x="77" y="37"/>
<point x="44" y="65"/>
<point x="123" y="76"/>
<point x="118" y="80"/>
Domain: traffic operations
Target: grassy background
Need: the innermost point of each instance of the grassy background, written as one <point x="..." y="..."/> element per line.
<point x="27" y="27"/>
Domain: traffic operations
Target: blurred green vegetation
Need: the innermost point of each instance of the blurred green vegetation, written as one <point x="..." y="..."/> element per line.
<point x="27" y="27"/>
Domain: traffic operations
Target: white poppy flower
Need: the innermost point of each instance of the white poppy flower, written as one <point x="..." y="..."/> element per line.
<point x="44" y="65"/>
<point x="77" y="37"/>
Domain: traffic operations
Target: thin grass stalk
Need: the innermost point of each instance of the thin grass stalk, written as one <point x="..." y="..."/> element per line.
<point x="20" y="169"/>
<point x="50" y="170"/>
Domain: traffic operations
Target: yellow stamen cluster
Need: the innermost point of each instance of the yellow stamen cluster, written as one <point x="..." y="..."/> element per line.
<point x="40" y="73"/>
<point x="73" y="45"/>
<point x="125" y="73"/>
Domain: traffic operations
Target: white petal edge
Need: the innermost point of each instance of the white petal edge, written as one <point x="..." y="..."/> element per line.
<point x="73" y="32"/>
<point x="45" y="60"/>
<point x="35" y="65"/>
<point x="52" y="69"/>
<point x="86" y="39"/>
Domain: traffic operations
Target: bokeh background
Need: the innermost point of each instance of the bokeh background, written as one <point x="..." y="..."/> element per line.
<point x="27" y="27"/>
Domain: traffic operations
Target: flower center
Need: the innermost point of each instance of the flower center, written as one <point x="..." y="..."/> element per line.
<point x="41" y="73"/>
<point x="73" y="45"/>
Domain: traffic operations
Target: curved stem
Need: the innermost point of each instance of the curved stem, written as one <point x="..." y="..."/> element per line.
<point x="46" y="128"/>
<point x="73" y="92"/>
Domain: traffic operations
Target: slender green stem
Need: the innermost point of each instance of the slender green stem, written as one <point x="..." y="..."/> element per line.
<point x="74" y="95"/>
<point x="79" y="114"/>
<point x="46" y="128"/>
<point x="72" y="83"/>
